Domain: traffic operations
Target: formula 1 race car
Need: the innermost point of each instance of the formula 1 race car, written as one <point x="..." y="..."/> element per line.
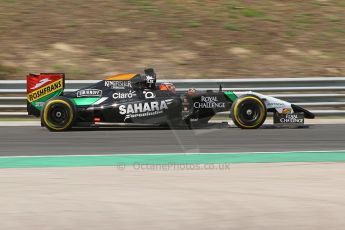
<point x="137" y="100"/>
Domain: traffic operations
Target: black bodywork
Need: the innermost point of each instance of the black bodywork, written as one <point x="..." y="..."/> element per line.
<point x="134" y="102"/>
<point x="137" y="100"/>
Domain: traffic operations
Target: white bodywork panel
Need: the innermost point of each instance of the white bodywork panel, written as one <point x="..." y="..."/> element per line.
<point x="270" y="102"/>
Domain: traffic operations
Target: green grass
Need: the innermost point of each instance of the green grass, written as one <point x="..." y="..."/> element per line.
<point x="339" y="30"/>
<point x="340" y="3"/>
<point x="232" y="26"/>
<point x="176" y="33"/>
<point x="334" y="18"/>
<point x="270" y="18"/>
<point x="267" y="25"/>
<point x="3" y="28"/>
<point x="237" y="11"/>
<point x="103" y="51"/>
<point x="58" y="68"/>
<point x="317" y="4"/>
<point x="72" y="24"/>
<point x="303" y="21"/>
<point x="144" y="5"/>
<point x="194" y="24"/>
<point x="291" y="33"/>
<point x="9" y="1"/>
<point x="252" y="13"/>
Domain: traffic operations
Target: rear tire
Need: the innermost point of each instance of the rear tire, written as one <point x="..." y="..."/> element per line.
<point x="248" y="112"/>
<point x="58" y="114"/>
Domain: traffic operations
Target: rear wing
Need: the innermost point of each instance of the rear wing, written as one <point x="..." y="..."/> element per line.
<point x="40" y="88"/>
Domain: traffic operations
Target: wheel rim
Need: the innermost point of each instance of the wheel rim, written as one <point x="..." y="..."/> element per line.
<point x="249" y="112"/>
<point x="58" y="115"/>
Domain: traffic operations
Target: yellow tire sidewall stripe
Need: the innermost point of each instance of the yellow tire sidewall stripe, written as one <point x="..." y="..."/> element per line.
<point x="236" y="108"/>
<point x="45" y="114"/>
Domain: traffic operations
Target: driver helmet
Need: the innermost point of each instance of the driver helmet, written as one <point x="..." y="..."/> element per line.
<point x="167" y="87"/>
<point x="191" y="92"/>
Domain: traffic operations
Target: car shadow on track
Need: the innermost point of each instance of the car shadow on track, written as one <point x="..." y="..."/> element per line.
<point x="208" y="126"/>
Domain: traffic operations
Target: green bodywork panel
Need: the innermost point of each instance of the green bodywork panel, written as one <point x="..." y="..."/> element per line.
<point x="231" y="95"/>
<point x="84" y="101"/>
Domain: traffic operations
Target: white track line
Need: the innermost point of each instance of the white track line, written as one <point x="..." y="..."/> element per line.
<point x="268" y="121"/>
<point x="174" y="154"/>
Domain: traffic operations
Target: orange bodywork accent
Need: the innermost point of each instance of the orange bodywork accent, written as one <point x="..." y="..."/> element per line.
<point x="167" y="87"/>
<point x="119" y="77"/>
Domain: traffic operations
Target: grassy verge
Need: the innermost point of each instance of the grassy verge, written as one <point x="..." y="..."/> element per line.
<point x="183" y="39"/>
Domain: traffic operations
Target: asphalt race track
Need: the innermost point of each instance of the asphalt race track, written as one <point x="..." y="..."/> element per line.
<point x="17" y="141"/>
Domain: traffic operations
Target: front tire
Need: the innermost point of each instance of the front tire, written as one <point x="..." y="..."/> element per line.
<point x="58" y="114"/>
<point x="248" y="112"/>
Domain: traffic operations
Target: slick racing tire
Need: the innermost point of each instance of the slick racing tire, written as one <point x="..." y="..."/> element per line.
<point x="248" y="112"/>
<point x="58" y="114"/>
